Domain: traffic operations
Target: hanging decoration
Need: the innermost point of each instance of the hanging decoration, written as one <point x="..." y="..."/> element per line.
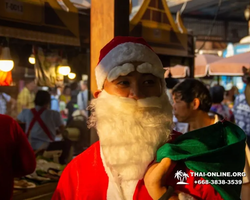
<point x="5" y="73"/>
<point x="47" y="62"/>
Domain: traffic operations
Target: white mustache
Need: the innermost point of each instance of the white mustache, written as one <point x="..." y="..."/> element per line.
<point x="149" y="102"/>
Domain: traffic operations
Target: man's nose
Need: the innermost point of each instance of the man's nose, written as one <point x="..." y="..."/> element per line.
<point x="136" y="93"/>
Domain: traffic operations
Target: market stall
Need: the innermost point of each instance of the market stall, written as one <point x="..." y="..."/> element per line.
<point x="48" y="26"/>
<point x="153" y="21"/>
<point x="43" y="21"/>
<point x="36" y="37"/>
<point x="230" y="66"/>
<point x="177" y="71"/>
<point x="42" y="192"/>
<point x="41" y="183"/>
<point x="201" y="67"/>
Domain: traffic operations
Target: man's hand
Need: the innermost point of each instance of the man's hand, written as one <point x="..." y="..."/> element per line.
<point x="155" y="176"/>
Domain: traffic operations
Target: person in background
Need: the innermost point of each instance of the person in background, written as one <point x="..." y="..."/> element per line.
<point x="17" y="158"/>
<point x="75" y="88"/>
<point x="41" y="122"/>
<point x="208" y="86"/>
<point x="241" y="111"/>
<point x="203" y="148"/>
<point x="25" y="98"/>
<point x="54" y="105"/>
<point x="4" y="99"/>
<point x="241" y="107"/>
<point x="230" y="96"/>
<point x="217" y="94"/>
<point x="66" y="96"/>
<point x="82" y="97"/>
<point x="184" y="94"/>
<point x="170" y="83"/>
<point x="242" y="115"/>
<point x="59" y="90"/>
<point x="71" y="107"/>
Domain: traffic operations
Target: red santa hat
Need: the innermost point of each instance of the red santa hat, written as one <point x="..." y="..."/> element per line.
<point x="116" y="57"/>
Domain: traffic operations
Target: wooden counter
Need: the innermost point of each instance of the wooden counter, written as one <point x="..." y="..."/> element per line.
<point x="41" y="192"/>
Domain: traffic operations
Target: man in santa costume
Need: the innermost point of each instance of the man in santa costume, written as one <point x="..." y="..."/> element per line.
<point x="133" y="118"/>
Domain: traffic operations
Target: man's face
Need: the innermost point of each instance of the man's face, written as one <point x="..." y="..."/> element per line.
<point x="68" y="91"/>
<point x="32" y="86"/>
<point x="83" y="87"/>
<point x="181" y="109"/>
<point x="135" y="85"/>
<point x="133" y="118"/>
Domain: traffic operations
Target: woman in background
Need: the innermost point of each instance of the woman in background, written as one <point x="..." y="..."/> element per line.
<point x="64" y="99"/>
<point x="217" y="93"/>
<point x="66" y="96"/>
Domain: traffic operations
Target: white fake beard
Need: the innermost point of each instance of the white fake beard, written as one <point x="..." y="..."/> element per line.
<point x="130" y="131"/>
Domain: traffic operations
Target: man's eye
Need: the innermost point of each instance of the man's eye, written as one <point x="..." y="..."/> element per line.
<point x="123" y="83"/>
<point x="149" y="82"/>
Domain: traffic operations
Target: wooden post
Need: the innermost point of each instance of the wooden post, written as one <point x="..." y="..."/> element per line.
<point x="192" y="59"/>
<point x="108" y="19"/>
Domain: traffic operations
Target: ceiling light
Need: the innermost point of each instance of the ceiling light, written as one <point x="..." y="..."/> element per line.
<point x="32" y="59"/>
<point x="64" y="69"/>
<point x="6" y="63"/>
<point x="71" y="75"/>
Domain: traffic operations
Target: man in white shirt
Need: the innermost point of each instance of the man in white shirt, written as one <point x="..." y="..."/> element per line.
<point x="4" y="99"/>
<point x="82" y="97"/>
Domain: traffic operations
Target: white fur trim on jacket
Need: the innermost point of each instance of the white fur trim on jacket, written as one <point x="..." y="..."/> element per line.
<point x="124" y="53"/>
<point x="114" y="191"/>
<point x="184" y="196"/>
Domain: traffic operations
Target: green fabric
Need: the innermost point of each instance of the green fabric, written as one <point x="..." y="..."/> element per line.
<point x="216" y="148"/>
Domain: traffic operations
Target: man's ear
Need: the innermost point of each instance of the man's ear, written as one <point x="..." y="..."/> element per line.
<point x="196" y="104"/>
<point x="244" y="69"/>
<point x="96" y="94"/>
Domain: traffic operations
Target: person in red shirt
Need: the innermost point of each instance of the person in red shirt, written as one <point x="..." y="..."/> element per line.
<point x="16" y="155"/>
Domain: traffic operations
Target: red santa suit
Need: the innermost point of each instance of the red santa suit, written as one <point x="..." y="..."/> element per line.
<point x="16" y="155"/>
<point x="87" y="177"/>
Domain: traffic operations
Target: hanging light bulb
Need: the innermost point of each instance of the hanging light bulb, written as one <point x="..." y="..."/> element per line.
<point x="64" y="69"/>
<point x="71" y="75"/>
<point x="6" y="63"/>
<point x="32" y="59"/>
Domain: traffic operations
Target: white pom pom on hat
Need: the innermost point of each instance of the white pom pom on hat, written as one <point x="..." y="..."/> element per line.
<point x="121" y="50"/>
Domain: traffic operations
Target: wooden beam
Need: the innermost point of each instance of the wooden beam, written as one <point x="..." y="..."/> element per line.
<point x="107" y="19"/>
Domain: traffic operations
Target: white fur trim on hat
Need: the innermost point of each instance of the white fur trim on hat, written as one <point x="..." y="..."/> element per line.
<point x="125" y="53"/>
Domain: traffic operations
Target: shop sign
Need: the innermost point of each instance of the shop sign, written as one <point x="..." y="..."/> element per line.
<point x="14" y="6"/>
<point x="235" y="49"/>
<point x="25" y="11"/>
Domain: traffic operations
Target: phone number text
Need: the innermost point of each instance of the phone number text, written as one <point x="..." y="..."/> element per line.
<point x="218" y="182"/>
